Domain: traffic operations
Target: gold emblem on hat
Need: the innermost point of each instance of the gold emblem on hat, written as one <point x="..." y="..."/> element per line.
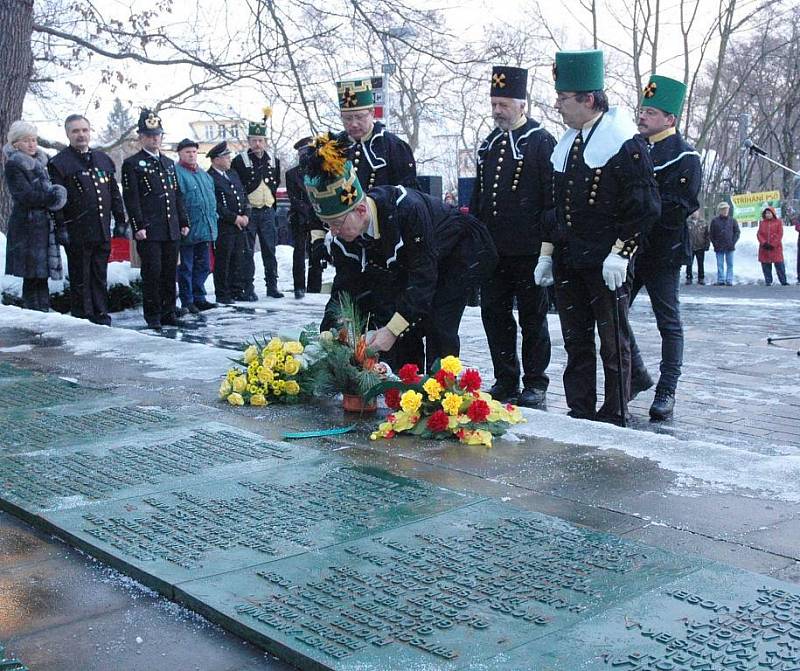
<point x="650" y="90"/>
<point x="348" y="194"/>
<point x="499" y="80"/>
<point x="349" y="99"/>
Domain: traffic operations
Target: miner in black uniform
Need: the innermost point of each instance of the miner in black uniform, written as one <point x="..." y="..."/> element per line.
<point x="233" y="244"/>
<point x="158" y="219"/>
<point x="667" y="246"/>
<point x="439" y="252"/>
<point x="260" y="179"/>
<point x="605" y="199"/>
<point x="302" y="219"/>
<point x="512" y="189"/>
<point x="93" y="196"/>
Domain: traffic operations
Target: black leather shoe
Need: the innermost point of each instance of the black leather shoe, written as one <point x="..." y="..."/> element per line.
<point x="101" y="320"/>
<point x="298" y="294"/>
<point x="640" y="381"/>
<point x="274" y="293"/>
<point x="533" y="398"/>
<point x="663" y="405"/>
<point x="500" y="392"/>
<point x="193" y="309"/>
<point x="250" y="298"/>
<point x="169" y="319"/>
<point x="205" y="305"/>
<point x="154" y="324"/>
<point x="225" y="300"/>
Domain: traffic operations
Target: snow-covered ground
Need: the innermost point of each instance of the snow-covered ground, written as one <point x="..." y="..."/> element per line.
<point x="747" y="270"/>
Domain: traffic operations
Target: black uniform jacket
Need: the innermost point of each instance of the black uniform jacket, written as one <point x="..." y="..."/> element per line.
<point x="678" y="173"/>
<point x="514" y="186"/>
<point x="257" y="170"/>
<point x="301" y="214"/>
<point x="425" y="244"/>
<point x="382" y="158"/>
<point x="231" y="198"/>
<point x="595" y="207"/>
<point x="152" y="197"/>
<point x="93" y="194"/>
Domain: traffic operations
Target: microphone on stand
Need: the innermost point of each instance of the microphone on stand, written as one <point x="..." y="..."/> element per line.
<point x="754" y="148"/>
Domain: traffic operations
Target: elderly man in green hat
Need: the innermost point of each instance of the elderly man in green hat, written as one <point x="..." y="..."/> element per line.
<point x="667" y="246"/>
<point x="605" y="199"/>
<point x="378" y="158"/>
<point x="433" y="253"/>
<point x="261" y="180"/>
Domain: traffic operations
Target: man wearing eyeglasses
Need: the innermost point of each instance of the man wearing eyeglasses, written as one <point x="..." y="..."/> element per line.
<point x="605" y="198"/>
<point x="513" y="188"/>
<point x="379" y="158"/>
<point x="667" y="246"/>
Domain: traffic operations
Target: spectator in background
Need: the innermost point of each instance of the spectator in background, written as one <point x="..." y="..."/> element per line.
<point x="197" y="187"/>
<point x="32" y="251"/>
<point x="794" y="218"/>
<point x="770" y="246"/>
<point x="700" y="241"/>
<point x="724" y="233"/>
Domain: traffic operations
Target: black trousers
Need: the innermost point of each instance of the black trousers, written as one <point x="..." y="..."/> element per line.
<point x="585" y="302"/>
<point x="512" y="280"/>
<point x="301" y="239"/>
<point x="231" y="251"/>
<point x="262" y="226"/>
<point x="159" y="269"/>
<point x="87" y="264"/>
<point x="700" y="255"/>
<point x="35" y="294"/>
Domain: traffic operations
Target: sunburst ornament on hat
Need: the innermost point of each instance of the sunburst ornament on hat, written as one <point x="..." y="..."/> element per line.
<point x="330" y="179"/>
<point x="259" y="128"/>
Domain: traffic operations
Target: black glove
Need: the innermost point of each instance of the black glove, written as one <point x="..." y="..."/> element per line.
<point x="62" y="236"/>
<point x="121" y="229"/>
<point x="767" y="247"/>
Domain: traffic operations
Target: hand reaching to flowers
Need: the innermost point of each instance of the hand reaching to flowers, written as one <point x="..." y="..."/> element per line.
<point x="382" y="340"/>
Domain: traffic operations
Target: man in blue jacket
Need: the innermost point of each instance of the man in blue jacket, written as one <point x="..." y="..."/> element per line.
<point x="197" y="188"/>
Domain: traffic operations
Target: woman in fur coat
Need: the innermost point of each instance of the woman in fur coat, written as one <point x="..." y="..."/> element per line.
<point x="32" y="250"/>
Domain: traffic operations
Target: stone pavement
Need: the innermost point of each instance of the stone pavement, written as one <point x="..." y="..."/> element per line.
<point x="69" y="612"/>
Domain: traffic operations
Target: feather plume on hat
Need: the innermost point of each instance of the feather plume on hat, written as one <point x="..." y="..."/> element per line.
<point x="325" y="157"/>
<point x="266" y="113"/>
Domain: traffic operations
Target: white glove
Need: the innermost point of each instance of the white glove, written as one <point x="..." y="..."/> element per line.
<point x="615" y="269"/>
<point x="543" y="273"/>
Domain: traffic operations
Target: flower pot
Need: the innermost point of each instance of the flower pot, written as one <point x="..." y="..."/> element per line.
<point x="356" y="403"/>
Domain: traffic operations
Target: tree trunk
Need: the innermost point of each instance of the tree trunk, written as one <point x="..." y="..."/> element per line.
<point x="16" y="69"/>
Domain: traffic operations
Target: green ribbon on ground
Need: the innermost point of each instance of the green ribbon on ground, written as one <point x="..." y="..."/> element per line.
<point x="319" y="434"/>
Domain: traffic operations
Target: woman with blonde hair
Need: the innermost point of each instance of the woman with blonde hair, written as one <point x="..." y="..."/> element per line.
<point x="32" y="251"/>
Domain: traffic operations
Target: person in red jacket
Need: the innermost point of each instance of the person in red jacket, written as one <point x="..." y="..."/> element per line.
<point x="770" y="246"/>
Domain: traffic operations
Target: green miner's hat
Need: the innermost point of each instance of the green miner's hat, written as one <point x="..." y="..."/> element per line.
<point x="665" y="94"/>
<point x="355" y="95"/>
<point x="259" y="128"/>
<point x="330" y="179"/>
<point x="578" y="71"/>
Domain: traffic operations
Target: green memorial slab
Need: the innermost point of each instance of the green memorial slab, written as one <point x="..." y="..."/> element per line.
<point x="28" y="430"/>
<point x="135" y="466"/>
<point x="39" y="391"/>
<point x="213" y="526"/>
<point x="442" y="593"/>
<point x="716" y="619"/>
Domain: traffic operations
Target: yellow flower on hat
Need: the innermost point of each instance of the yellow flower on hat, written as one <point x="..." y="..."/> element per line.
<point x="292" y="388"/>
<point x="410" y="401"/>
<point x="235" y="399"/>
<point x="451" y="364"/>
<point x="250" y="354"/>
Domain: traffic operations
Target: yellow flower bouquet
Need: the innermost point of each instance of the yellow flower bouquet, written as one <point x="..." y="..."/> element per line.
<point x="274" y="370"/>
<point x="448" y="403"/>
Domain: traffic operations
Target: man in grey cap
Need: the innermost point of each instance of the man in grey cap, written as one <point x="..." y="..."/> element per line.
<point x="233" y="212"/>
<point x="197" y="187"/>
